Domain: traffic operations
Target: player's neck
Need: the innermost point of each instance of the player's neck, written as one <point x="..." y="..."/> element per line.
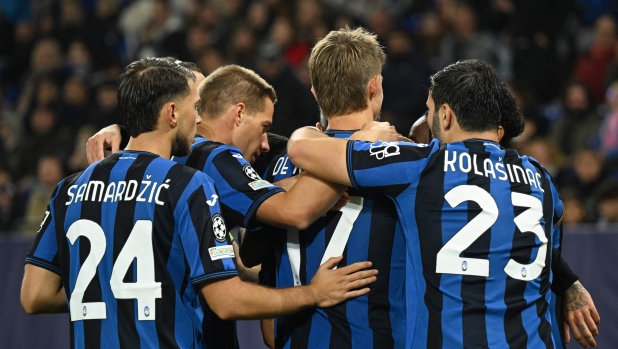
<point x="463" y="136"/>
<point x="152" y="142"/>
<point x="353" y="121"/>
<point x="215" y="130"/>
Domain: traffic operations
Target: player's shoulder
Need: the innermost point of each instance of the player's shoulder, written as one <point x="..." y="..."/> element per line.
<point x="215" y="148"/>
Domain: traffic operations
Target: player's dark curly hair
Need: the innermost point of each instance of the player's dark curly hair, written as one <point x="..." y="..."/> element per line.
<point x="511" y="118"/>
<point x="473" y="90"/>
<point x="145" y="86"/>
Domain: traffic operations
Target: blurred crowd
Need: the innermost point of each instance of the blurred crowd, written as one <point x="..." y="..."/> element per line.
<point x="59" y="60"/>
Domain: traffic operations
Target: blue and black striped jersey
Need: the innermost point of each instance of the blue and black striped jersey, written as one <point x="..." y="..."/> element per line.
<point x="478" y="225"/>
<point x="132" y="236"/>
<point x="241" y="190"/>
<point x="240" y="193"/>
<point x="365" y="229"/>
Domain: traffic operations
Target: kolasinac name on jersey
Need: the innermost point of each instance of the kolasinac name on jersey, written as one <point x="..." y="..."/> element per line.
<point x="98" y="191"/>
<point x="498" y="170"/>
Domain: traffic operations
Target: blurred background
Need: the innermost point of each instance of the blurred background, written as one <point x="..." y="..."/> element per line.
<point x="59" y="60"/>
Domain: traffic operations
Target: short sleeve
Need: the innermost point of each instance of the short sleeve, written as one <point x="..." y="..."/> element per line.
<point x="207" y="245"/>
<point x="240" y="187"/>
<point x="383" y="164"/>
<point x="44" y="250"/>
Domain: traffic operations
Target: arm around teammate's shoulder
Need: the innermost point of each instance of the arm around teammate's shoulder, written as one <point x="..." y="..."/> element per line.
<point x="309" y="199"/>
<point x="232" y="298"/>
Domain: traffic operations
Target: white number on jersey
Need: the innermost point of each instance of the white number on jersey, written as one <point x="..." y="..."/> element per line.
<point x="448" y="260"/>
<point x="336" y="245"/>
<point x="139" y="247"/>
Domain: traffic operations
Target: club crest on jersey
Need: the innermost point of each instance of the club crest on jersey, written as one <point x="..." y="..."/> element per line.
<point x="218" y="227"/>
<point x="383" y="150"/>
<point x="250" y="173"/>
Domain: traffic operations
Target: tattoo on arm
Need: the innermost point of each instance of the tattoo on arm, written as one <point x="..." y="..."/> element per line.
<point x="574" y="297"/>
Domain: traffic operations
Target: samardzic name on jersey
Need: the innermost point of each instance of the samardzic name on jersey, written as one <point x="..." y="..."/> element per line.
<point x="511" y="172"/>
<point x="144" y="191"/>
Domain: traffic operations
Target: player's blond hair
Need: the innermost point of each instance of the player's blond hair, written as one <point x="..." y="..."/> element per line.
<point x="341" y="65"/>
<point x="233" y="84"/>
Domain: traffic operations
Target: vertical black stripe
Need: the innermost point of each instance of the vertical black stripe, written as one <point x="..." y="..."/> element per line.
<point x="125" y="212"/>
<point x="545" y="331"/>
<point x="91" y="210"/>
<point x="516" y="334"/>
<point x="474" y="326"/>
<point x="381" y="238"/>
<point x="162" y="238"/>
<point x="341" y="334"/>
<point x="428" y="212"/>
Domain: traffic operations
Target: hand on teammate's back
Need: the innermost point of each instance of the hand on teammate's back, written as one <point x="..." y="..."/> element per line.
<point x="374" y="131"/>
<point x="108" y="137"/>
<point x="580" y="315"/>
<point x="333" y="286"/>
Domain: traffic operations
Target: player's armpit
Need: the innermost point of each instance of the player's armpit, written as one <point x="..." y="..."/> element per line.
<point x="581" y="316"/>
<point x="232" y="298"/>
<point x="42" y="291"/>
<point x="309" y="199"/>
<point x="268" y="332"/>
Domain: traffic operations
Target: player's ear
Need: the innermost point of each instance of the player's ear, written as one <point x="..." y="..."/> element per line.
<point x="373" y="86"/>
<point x="240" y="110"/>
<point x="318" y="125"/>
<point x="500" y="133"/>
<point x="169" y="112"/>
<point x="448" y="117"/>
<point x="313" y="92"/>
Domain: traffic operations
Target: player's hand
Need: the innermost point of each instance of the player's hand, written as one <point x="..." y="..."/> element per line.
<point x="331" y="287"/>
<point x="106" y="137"/>
<point x="420" y="132"/>
<point x="374" y="131"/>
<point x="341" y="202"/>
<point x="580" y="315"/>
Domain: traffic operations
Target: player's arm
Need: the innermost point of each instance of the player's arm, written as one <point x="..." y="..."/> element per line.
<point x="309" y="198"/>
<point x="268" y="332"/>
<point x="325" y="156"/>
<point x="232" y="298"/>
<point x="207" y="246"/>
<point x="42" y="291"/>
<point x="580" y="313"/>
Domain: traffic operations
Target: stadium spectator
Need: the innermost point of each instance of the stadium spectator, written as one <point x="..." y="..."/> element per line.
<point x="592" y="67"/>
<point x="609" y="129"/>
<point x="578" y="126"/>
<point x="574" y="208"/>
<point x="36" y="197"/>
<point x="607" y="198"/>
<point x="546" y="153"/>
<point x="8" y="207"/>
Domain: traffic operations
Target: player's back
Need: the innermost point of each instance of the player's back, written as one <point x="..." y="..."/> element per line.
<point x="477" y="222"/>
<point x="365" y="229"/>
<point x="133" y="235"/>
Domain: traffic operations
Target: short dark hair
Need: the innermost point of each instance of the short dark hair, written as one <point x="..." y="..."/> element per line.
<point x="511" y="118"/>
<point x="473" y="90"/>
<point x="145" y="86"/>
<point x="189" y="65"/>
